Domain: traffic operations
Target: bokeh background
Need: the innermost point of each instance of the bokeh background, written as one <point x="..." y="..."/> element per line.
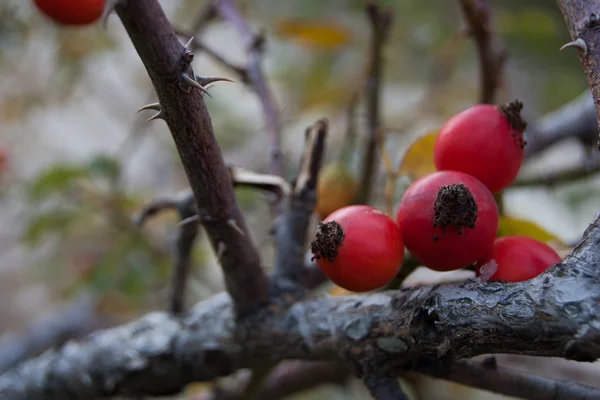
<point x="77" y="163"/>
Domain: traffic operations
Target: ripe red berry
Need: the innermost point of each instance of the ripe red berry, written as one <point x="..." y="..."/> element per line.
<point x="485" y="141"/>
<point x="359" y="248"/>
<point x="448" y="220"/>
<point x="72" y="12"/>
<point x="516" y="259"/>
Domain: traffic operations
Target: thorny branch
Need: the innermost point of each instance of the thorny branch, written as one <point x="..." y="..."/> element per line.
<point x="381" y="23"/>
<point x="477" y="14"/>
<point x="254" y="45"/>
<point x="184" y="111"/>
<point x="583" y="21"/>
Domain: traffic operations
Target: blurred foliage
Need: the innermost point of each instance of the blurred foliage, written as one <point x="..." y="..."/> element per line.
<point x="100" y="249"/>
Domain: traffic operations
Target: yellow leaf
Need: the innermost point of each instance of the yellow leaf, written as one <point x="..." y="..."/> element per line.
<point x="324" y="34"/>
<point x="418" y="159"/>
<point x="512" y="226"/>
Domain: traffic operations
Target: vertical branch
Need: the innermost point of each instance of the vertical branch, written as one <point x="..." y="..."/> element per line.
<point x="477" y="15"/>
<point x="182" y="107"/>
<point x="254" y="44"/>
<point x="385" y="388"/>
<point x="381" y="21"/>
<point x="583" y="21"/>
<point x="186" y="235"/>
<point x="293" y="224"/>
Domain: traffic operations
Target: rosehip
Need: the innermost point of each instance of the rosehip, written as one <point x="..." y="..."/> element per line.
<point x="485" y="141"/>
<point x="72" y="12"/>
<point x="359" y="248"/>
<point x="336" y="189"/>
<point x="448" y="220"/>
<point x="516" y="259"/>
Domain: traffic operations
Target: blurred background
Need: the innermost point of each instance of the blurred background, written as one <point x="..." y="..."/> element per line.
<point x="77" y="163"/>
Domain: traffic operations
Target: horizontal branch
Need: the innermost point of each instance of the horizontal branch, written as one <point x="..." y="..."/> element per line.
<point x="553" y="315"/>
<point x="568" y="174"/>
<point x="182" y="107"/>
<point x="491" y="377"/>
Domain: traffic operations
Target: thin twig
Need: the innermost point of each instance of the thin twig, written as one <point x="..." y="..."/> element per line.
<point x="576" y="119"/>
<point x="491" y="56"/>
<point x="292" y="226"/>
<point x="381" y="22"/>
<point x="254" y="45"/>
<point x="168" y="65"/>
<point x="489" y="376"/>
<point x="385" y="388"/>
<point x="567" y="175"/>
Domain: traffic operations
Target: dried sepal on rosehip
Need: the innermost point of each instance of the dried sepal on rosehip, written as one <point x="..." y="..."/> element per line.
<point x="448" y="220"/>
<point x="359" y="248"/>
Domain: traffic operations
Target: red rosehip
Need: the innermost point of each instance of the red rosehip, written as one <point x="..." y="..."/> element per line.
<point x="485" y="141"/>
<point x="516" y="259"/>
<point x="359" y="248"/>
<point x="72" y="12"/>
<point x="448" y="220"/>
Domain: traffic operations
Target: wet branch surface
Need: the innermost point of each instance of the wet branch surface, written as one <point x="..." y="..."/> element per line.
<point x="553" y="315"/>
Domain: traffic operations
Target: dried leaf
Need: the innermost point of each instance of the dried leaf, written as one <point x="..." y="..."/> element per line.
<point x="418" y="159"/>
<point x="316" y="34"/>
<point x="512" y="226"/>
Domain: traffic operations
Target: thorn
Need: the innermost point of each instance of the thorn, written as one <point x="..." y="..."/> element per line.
<point x="578" y="44"/>
<point x="221" y="247"/>
<point x="188" y="220"/>
<point x="151" y="106"/>
<point x="187" y="45"/>
<point x="155" y="107"/>
<point x="208" y="81"/>
<point x="231" y="222"/>
<point x="188" y="82"/>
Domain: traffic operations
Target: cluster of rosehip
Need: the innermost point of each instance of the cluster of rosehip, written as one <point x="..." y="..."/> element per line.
<point x="448" y="219"/>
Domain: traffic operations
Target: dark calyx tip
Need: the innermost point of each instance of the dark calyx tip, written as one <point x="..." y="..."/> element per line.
<point x="454" y="207"/>
<point x="512" y="112"/>
<point x="328" y="239"/>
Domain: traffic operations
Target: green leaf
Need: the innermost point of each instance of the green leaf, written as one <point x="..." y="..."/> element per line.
<point x="55" y="221"/>
<point x="508" y="226"/>
<point x="54" y="180"/>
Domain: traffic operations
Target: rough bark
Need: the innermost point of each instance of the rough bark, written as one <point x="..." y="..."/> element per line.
<point x="191" y="127"/>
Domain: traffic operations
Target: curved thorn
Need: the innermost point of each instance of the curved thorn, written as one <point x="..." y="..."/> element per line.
<point x="208" y="81"/>
<point x="578" y="44"/>
<point x="151" y="106"/>
<point x="188" y="220"/>
<point x="188" y="81"/>
<point x="158" y="115"/>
